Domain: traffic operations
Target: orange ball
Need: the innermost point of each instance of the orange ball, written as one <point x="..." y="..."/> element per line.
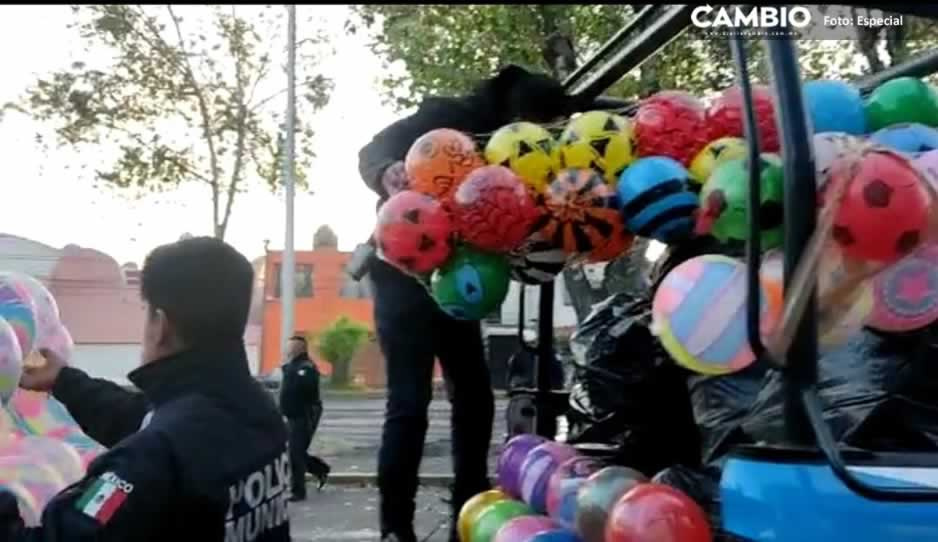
<point x="439" y="161"/>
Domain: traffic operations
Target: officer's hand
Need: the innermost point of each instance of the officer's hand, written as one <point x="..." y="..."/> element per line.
<point x="43" y="377"/>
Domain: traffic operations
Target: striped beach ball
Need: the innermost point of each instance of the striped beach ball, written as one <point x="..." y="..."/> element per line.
<point x="699" y="315"/>
<point x="538" y="467"/>
<point x="656" y="199"/>
<point x="905" y="295"/>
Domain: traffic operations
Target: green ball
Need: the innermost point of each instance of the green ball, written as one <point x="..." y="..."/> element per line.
<point x="471" y="284"/>
<point x="725" y="200"/>
<point x="900" y="100"/>
<point x="495" y="516"/>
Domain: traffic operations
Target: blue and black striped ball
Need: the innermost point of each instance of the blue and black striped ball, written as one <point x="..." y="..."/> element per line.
<point x="656" y="199"/>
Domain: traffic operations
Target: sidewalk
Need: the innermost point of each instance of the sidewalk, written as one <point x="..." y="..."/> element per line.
<point x="350" y="514"/>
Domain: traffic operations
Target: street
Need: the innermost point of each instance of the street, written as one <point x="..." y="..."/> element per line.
<point x="350" y="432"/>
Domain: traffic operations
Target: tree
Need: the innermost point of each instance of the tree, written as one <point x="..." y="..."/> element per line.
<point x="338" y="344"/>
<point x="459" y="45"/>
<point x="184" y="100"/>
<point x="325" y="238"/>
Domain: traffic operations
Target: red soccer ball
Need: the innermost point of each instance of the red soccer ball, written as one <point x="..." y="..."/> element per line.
<point x="884" y="212"/>
<point x="725" y="117"/>
<point x="671" y="123"/>
<point x="657" y="512"/>
<point x="494" y="210"/>
<point x="414" y="232"/>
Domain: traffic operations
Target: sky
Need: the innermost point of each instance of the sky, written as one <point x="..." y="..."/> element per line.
<point x="48" y="202"/>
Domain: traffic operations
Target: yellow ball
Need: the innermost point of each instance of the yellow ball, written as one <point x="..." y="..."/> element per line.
<point x="527" y="149"/>
<point x="714" y="154"/>
<point x="473" y="508"/>
<point x="600" y="141"/>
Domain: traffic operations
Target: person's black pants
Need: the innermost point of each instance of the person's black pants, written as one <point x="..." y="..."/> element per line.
<point x="413" y="333"/>
<point x="302" y="429"/>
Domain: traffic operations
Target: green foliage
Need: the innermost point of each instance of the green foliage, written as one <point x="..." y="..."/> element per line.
<point x="183" y="100"/>
<point x="338" y="344"/>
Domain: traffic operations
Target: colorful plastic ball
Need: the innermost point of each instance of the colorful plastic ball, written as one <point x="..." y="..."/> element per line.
<point x="59" y="341"/>
<point x="582" y="212"/>
<point x="414" y="232"/>
<point x="835" y="106"/>
<point x="510" y="460"/>
<point x="556" y="535"/>
<point x="699" y="315"/>
<point x="471" y="284"/>
<point x="19" y="310"/>
<point x="656" y="199"/>
<point x="537" y="261"/>
<point x="713" y="154"/>
<point x="524" y="528"/>
<point x="439" y="161"/>
<point x="473" y="508"/>
<point x="927" y="165"/>
<point x="620" y="243"/>
<point x="675" y="128"/>
<point x="600" y="141"/>
<point x="900" y="100"/>
<point x="911" y="138"/>
<point x="527" y="149"/>
<point x="884" y="212"/>
<point x="11" y="362"/>
<point x="58" y="455"/>
<point x="725" y="116"/>
<point x="564" y="484"/>
<point x="679" y="98"/>
<point x="906" y="293"/>
<point x="494" y="517"/>
<point x="652" y="512"/>
<point x="494" y="209"/>
<point x="724" y="202"/>
<point x="47" y="310"/>
<point x="41" y="480"/>
<point x="538" y="466"/>
<point x="596" y="497"/>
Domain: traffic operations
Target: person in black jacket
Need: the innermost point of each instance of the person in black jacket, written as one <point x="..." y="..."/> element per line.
<point x="200" y="453"/>
<point x="301" y="405"/>
<point x="412" y="331"/>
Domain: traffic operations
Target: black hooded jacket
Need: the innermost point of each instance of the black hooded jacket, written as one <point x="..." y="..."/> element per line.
<point x="207" y="462"/>
<point x="514" y="93"/>
<point x="299" y="391"/>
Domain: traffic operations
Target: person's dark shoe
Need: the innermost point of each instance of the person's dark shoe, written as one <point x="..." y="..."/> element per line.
<point x="298" y="497"/>
<point x="323" y="477"/>
<point x="394" y="537"/>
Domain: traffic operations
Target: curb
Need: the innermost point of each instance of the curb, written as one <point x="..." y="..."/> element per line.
<point x="363" y="479"/>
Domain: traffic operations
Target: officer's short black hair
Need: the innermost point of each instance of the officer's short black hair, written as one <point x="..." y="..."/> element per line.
<point x="204" y="287"/>
<point x="298" y="337"/>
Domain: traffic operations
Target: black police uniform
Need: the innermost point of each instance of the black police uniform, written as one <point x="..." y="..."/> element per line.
<point x="302" y="406"/>
<point x="200" y="454"/>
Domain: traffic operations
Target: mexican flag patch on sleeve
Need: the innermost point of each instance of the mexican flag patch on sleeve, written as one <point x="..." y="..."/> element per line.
<point x="104" y="497"/>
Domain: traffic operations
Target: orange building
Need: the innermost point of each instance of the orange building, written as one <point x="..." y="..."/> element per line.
<point x="324" y="292"/>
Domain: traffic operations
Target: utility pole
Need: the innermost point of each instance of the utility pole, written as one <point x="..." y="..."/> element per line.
<point x="288" y="264"/>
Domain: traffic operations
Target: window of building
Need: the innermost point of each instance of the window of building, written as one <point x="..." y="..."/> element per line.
<point x="302" y="280"/>
<point x="352" y="289"/>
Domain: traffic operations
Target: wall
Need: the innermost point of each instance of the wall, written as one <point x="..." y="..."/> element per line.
<point x="316" y="311"/>
<point x="26" y="256"/>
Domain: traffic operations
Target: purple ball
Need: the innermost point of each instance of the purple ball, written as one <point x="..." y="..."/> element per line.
<point x="537" y="469"/>
<point x="508" y="469"/>
<point x="523" y="528"/>
<point x="555" y="535"/>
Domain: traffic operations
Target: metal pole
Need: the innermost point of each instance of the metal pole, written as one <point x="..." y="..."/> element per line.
<point x="288" y="264"/>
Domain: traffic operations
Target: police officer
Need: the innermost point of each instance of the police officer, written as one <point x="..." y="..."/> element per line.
<point x="412" y="331"/>
<point x="302" y="406"/>
<point x="200" y="453"/>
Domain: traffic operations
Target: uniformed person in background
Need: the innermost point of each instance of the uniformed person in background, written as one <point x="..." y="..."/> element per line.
<point x="200" y="453"/>
<point x="302" y="407"/>
<point x="413" y="331"/>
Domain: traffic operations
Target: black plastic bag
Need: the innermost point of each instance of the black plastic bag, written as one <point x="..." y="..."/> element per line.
<point x="626" y="392"/>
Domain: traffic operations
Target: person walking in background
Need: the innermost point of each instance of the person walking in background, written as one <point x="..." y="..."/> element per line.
<point x="413" y="331"/>
<point x="301" y="404"/>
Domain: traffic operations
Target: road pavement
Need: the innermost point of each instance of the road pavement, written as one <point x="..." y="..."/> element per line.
<point x="350" y="432"/>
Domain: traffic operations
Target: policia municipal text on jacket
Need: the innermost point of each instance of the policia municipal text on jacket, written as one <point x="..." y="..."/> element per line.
<point x="200" y="452"/>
